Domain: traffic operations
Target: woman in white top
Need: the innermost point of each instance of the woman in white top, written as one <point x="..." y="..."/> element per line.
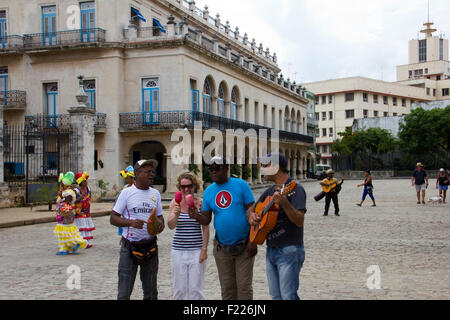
<point x="190" y="243"/>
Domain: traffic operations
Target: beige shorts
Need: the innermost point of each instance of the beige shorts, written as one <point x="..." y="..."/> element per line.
<point x="422" y="187"/>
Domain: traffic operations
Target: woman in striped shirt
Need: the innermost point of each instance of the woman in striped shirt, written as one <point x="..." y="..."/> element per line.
<point x="190" y="244"/>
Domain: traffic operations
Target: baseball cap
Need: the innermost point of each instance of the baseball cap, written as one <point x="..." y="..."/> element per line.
<point x="273" y="157"/>
<point x="142" y="163"/>
<point x="218" y="160"/>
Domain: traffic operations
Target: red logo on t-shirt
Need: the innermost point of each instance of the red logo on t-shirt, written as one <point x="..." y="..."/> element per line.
<point x="224" y="199"/>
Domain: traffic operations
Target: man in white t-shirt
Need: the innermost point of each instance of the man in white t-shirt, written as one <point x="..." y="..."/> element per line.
<point x="131" y="211"/>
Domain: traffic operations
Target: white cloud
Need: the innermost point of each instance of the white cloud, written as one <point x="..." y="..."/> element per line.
<point x="323" y="39"/>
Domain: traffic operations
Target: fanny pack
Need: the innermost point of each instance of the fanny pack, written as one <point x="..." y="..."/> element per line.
<point x="369" y="189"/>
<point x="141" y="251"/>
<point x="233" y="250"/>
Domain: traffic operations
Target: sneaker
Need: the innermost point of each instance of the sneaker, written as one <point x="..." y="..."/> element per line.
<point x="75" y="249"/>
<point x="61" y="253"/>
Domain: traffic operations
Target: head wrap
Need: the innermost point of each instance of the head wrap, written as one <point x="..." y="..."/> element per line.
<point x="69" y="192"/>
<point x="128" y="172"/>
<point x="80" y="177"/>
<point x="67" y="178"/>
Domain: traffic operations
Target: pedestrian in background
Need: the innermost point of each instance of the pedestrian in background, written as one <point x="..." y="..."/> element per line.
<point x="442" y="183"/>
<point x="368" y="189"/>
<point x="419" y="179"/>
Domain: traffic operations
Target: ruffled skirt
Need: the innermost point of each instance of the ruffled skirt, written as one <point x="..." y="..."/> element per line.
<point x="85" y="225"/>
<point x="68" y="238"/>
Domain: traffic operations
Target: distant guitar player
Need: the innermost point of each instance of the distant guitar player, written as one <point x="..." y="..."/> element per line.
<point x="333" y="193"/>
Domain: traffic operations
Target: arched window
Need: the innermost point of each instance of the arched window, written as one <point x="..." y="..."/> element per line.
<point x="221" y="102"/>
<point x="207" y="101"/>
<point x="233" y="104"/>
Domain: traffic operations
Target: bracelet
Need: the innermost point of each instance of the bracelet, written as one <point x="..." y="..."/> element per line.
<point x="204" y="249"/>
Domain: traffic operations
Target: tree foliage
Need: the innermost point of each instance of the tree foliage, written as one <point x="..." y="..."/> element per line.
<point x="425" y="136"/>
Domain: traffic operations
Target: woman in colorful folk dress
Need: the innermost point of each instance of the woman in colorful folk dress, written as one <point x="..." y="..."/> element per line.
<point x="83" y="219"/>
<point x="67" y="233"/>
<point x="130" y="179"/>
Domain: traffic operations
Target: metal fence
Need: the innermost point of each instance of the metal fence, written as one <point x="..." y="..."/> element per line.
<point x="34" y="154"/>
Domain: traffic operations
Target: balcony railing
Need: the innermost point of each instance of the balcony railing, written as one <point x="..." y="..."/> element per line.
<point x="11" y="42"/>
<point x="13" y="99"/>
<point x="61" y="121"/>
<point x="170" y="120"/>
<point x="100" y="121"/>
<point x="58" y="38"/>
<point x="48" y="121"/>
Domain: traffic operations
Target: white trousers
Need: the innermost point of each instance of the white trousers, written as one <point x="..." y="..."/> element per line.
<point x="188" y="275"/>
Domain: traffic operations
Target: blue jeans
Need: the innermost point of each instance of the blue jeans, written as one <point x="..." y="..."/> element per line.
<point x="283" y="271"/>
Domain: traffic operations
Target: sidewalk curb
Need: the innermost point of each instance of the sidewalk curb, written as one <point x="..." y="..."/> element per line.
<point x="27" y="222"/>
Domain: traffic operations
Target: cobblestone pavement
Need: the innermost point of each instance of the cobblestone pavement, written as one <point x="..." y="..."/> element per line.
<point x="409" y="243"/>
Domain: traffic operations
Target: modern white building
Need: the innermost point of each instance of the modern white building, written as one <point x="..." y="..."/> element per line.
<point x="424" y="81"/>
<point x="148" y="67"/>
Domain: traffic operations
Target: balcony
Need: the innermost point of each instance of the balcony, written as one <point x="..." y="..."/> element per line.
<point x="100" y="122"/>
<point x="62" y="121"/>
<point x="11" y="43"/>
<point x="171" y="120"/>
<point x="70" y="38"/>
<point x="13" y="100"/>
<point x="48" y="121"/>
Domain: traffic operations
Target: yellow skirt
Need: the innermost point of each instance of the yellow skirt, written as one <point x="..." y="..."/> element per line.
<point x="68" y="237"/>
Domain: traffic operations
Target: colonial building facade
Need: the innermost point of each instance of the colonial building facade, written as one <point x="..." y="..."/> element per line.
<point x="148" y="67"/>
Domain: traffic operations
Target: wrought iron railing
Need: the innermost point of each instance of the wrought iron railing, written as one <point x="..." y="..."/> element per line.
<point x="100" y="120"/>
<point x="48" y="121"/>
<point x="69" y="37"/>
<point x="13" y="99"/>
<point x="169" y="120"/>
<point x="11" y="42"/>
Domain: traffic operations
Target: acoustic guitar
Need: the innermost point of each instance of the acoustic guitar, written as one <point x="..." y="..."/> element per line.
<point x="332" y="185"/>
<point x="268" y="212"/>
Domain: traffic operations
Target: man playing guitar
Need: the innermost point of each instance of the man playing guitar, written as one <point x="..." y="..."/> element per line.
<point x="285" y="251"/>
<point x="331" y="187"/>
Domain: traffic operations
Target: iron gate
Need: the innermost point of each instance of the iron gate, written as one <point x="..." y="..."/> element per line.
<point x="35" y="153"/>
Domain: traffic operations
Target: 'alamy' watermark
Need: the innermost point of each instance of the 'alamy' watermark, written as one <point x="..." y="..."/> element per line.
<point x="74" y="280"/>
<point x="228" y="144"/>
<point x="374" y="280"/>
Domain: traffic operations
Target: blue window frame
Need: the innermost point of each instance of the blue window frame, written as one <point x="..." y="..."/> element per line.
<point x="87" y="21"/>
<point x="233" y="105"/>
<point x="49" y="25"/>
<point x="150" y="101"/>
<point x="3" y="29"/>
<point x="51" y="90"/>
<point x="4" y="83"/>
<point x="195" y="100"/>
<point x="89" y="88"/>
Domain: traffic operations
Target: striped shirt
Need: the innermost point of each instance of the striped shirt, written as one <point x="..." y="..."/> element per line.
<point x="188" y="234"/>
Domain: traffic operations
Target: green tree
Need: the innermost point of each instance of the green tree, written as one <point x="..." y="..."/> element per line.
<point x="425" y="136"/>
<point x="365" y="148"/>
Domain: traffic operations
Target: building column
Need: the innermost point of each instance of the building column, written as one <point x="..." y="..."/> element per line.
<point x="82" y="120"/>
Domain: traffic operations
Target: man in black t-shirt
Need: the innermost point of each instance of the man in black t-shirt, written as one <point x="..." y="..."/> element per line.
<point x="285" y="250"/>
<point x="418" y="179"/>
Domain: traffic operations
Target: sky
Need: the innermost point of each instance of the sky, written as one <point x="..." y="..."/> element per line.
<point x="328" y="39"/>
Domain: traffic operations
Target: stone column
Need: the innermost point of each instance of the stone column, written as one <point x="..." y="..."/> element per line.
<point x="82" y="119"/>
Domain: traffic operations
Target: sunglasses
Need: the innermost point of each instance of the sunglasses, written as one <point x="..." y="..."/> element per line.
<point x="215" y="168"/>
<point x="187" y="186"/>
